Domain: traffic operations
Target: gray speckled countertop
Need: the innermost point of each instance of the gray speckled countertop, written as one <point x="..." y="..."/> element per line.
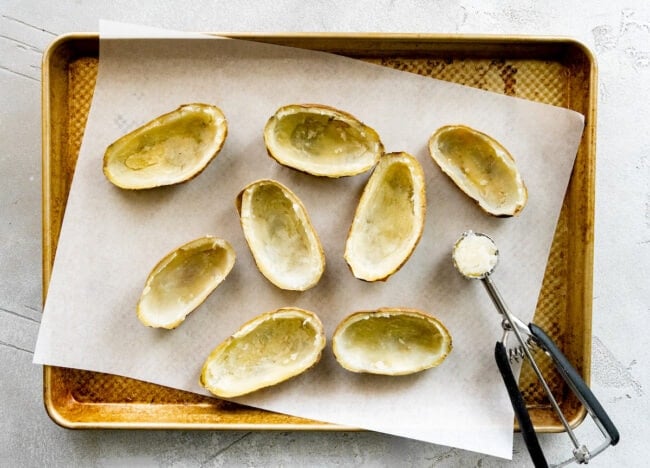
<point x="619" y="35"/>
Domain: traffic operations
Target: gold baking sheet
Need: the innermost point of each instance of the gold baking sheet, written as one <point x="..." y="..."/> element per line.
<point x="554" y="71"/>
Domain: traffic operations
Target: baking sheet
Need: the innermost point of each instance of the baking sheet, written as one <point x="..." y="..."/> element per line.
<point x="428" y="268"/>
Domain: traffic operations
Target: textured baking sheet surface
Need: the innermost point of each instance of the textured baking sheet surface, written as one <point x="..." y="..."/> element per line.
<point x="94" y="398"/>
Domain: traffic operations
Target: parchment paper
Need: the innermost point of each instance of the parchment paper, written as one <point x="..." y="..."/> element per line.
<point x="112" y="238"/>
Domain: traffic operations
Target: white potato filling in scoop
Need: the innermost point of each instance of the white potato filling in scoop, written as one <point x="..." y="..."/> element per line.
<point x="475" y="255"/>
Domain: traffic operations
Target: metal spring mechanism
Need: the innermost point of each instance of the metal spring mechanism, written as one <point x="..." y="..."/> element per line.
<point x="516" y="353"/>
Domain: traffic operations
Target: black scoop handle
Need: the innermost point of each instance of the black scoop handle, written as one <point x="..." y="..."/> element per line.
<point x="583" y="392"/>
<point x="521" y="413"/>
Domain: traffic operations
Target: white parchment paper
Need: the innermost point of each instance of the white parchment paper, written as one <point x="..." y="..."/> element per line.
<point x="112" y="238"/>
